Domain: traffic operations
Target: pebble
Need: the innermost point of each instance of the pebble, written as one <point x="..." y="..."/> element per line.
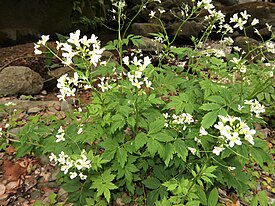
<point x="34" y="110"/>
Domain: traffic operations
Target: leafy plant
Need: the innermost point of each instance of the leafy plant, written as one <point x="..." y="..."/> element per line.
<point x="165" y="134"/>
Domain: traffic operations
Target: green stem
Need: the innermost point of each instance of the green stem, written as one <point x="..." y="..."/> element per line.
<point x="136" y="112"/>
<point x="199" y="174"/>
<point x="18" y="141"/>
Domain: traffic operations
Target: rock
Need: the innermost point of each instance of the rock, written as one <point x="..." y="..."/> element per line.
<point x="33" y="110"/>
<point x="189" y="29"/>
<point x="17" y="80"/>
<point x="58" y="72"/>
<point x="247" y="44"/>
<point x="264" y="11"/>
<point x="144" y="29"/>
<point x="150" y="45"/>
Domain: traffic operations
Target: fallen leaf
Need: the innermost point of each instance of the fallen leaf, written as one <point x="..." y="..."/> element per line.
<point x="12" y="171"/>
<point x="10" y="149"/>
<point x="2" y="189"/>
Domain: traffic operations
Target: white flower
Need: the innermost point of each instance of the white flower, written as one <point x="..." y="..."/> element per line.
<point x="62" y="158"/>
<point x="80" y="130"/>
<point x="234" y="18"/>
<point x="234" y="139"/>
<point x="82" y="163"/>
<point x="203" y="132"/>
<point x="53" y="157"/>
<point x="159" y="1"/>
<point x="245" y="15"/>
<point x="82" y="176"/>
<point x="269" y="27"/>
<point x="126" y="60"/>
<point x="192" y="150"/>
<point x="73" y="175"/>
<point x="60" y="135"/>
<point x="9" y="104"/>
<point x="74" y="38"/>
<point x="161" y="11"/>
<point x="231" y="168"/>
<point x="255" y="107"/>
<point x="152" y="14"/>
<point x="218" y="150"/>
<point x="7" y="125"/>
<point x="254" y="22"/>
<point x="1" y="133"/>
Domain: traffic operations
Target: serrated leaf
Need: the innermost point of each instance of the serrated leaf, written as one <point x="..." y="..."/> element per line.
<point x="151" y="183"/>
<point x="156" y="126"/>
<point x="169" y="151"/>
<point x="153" y="146"/>
<point x="201" y="194"/>
<point x="121" y="155"/>
<point x="213" y="197"/>
<point x="163" y="137"/>
<point x="140" y="140"/>
<point x="210" y="106"/>
<point x="263" y="198"/>
<point x="193" y="203"/>
<point x="181" y="149"/>
<point x="118" y="122"/>
<point x="71" y="186"/>
<point x="209" y="119"/>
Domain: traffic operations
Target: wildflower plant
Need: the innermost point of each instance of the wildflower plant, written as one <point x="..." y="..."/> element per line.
<point x="153" y="134"/>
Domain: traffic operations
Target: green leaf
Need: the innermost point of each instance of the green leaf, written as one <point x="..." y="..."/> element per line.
<point x="121" y="155"/>
<point x="72" y="186"/>
<point x="201" y="194"/>
<point x="254" y="201"/>
<point x="156" y="126"/>
<point x="151" y="183"/>
<point x="103" y="184"/>
<point x="140" y="140"/>
<point x="213" y="197"/>
<point x="263" y="198"/>
<point x="52" y="197"/>
<point x="163" y="137"/>
<point x="153" y="146"/>
<point x="193" y="203"/>
<point x="210" y="106"/>
<point x="181" y="149"/>
<point x="169" y="151"/>
<point x="209" y="119"/>
<point x="118" y="122"/>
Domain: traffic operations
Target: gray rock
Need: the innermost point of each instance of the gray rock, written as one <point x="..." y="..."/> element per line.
<point x="247" y="44"/>
<point x="17" y="80"/>
<point x="189" y="29"/>
<point x="150" y="45"/>
<point x="144" y="29"/>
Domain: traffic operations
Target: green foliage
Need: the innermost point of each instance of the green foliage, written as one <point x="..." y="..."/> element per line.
<point x="154" y="134"/>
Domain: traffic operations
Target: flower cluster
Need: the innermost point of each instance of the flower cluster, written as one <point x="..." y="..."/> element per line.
<point x="255" y="107"/>
<point x="240" y="21"/>
<point x="104" y="84"/>
<point x="73" y="167"/>
<point x="136" y="75"/>
<point x="174" y="120"/>
<point x="66" y="86"/>
<point x="239" y="64"/>
<point x="231" y="130"/>
<point x="88" y="48"/>
<point x="206" y="4"/>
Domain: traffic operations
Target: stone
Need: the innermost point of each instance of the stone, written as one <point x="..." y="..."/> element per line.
<point x="247" y="44"/>
<point x="144" y="29"/>
<point x="150" y="45"/>
<point x="189" y="29"/>
<point x="17" y="80"/>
